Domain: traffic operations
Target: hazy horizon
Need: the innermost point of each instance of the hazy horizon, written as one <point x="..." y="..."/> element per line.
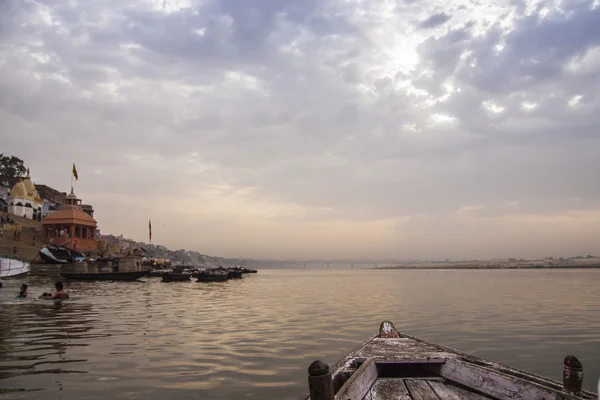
<point x="317" y="129"/>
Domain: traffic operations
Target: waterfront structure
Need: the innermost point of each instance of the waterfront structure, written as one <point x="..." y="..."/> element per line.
<point x="53" y="200"/>
<point x="71" y="226"/>
<point x="24" y="200"/>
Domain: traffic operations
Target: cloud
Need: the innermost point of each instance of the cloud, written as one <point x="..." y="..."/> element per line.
<point x="434" y="21"/>
<point x="329" y="127"/>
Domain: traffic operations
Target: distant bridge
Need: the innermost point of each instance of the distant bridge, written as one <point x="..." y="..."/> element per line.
<point x="336" y="264"/>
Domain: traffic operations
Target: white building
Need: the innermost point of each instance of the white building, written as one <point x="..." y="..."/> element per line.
<point x="24" y="200"/>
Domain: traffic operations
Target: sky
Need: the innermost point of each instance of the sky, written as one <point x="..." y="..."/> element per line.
<point x="315" y="129"/>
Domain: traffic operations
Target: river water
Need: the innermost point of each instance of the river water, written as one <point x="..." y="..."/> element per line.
<point x="254" y="338"/>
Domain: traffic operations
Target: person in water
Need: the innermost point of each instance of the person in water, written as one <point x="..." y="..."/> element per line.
<point x="60" y="293"/>
<point x="23" y="292"/>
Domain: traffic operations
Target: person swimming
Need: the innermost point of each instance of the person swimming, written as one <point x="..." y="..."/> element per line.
<point x="23" y="292"/>
<point x="60" y="293"/>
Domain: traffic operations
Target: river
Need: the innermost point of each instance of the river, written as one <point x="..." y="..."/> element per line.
<point x="254" y="338"/>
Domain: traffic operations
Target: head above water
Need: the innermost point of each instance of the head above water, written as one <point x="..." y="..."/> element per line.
<point x="23" y="287"/>
<point x="58" y="286"/>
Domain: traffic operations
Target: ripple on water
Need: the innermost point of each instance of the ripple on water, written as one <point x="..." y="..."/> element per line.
<point x="254" y="338"/>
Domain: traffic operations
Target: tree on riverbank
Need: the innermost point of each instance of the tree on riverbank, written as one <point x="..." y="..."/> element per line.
<point x="11" y="170"/>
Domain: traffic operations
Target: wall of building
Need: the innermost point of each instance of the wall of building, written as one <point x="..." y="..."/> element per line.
<point x="25" y="208"/>
<point x="78" y="244"/>
<point x="50" y="194"/>
<point x="49" y="207"/>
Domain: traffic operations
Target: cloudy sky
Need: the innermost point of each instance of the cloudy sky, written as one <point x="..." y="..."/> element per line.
<point x="315" y="128"/>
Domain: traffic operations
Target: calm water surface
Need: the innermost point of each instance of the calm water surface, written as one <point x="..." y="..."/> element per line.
<point x="254" y="338"/>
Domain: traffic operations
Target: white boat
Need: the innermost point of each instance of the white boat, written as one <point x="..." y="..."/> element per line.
<point x="11" y="268"/>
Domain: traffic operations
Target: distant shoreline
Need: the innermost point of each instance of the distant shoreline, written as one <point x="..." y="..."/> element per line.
<point x="589" y="266"/>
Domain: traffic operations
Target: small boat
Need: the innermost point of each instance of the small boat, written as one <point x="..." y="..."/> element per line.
<point x="392" y="365"/>
<point x="54" y="254"/>
<point x="245" y="270"/>
<point x="176" y="276"/>
<point x="13" y="268"/>
<point x="213" y="275"/>
<point x="105" y="276"/>
<point x="106" y="269"/>
<point x="235" y="273"/>
<point x="157" y="273"/>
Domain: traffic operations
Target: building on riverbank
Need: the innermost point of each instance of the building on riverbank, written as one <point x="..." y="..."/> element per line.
<point x="71" y="226"/>
<point x="54" y="199"/>
<point x="24" y="200"/>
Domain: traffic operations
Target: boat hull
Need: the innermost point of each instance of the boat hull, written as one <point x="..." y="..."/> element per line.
<point x="13" y="268"/>
<point x="105" y="276"/>
<point x="175" y="277"/>
<point x="235" y="275"/>
<point x="392" y="365"/>
<point x="213" y="277"/>
<point x="157" y="273"/>
<point x="59" y="255"/>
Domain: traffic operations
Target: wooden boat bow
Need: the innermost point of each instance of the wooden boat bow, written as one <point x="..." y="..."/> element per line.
<point x="391" y="365"/>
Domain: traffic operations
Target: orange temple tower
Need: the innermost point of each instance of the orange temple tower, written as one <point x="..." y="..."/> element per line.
<point x="71" y="226"/>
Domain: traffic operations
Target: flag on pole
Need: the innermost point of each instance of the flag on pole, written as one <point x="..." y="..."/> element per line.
<point x="150" y="231"/>
<point x="75" y="172"/>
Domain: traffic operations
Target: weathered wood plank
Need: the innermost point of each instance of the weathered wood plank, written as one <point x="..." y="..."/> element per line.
<point x="528" y="376"/>
<point x="358" y="385"/>
<point x="419" y="389"/>
<point x="451" y="392"/>
<point x="409" y="349"/>
<point x="426" y="359"/>
<point x="389" y="388"/>
<point x="495" y="384"/>
<point x="401" y="347"/>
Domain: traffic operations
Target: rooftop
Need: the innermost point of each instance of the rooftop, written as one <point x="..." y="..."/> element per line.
<point x="70" y="216"/>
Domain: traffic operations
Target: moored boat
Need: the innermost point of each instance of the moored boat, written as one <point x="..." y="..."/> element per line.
<point x="213" y="275"/>
<point x="392" y="365"/>
<point x="55" y="254"/>
<point x="113" y="269"/>
<point x="176" y="276"/>
<point x="13" y="268"/>
<point x="157" y="273"/>
<point x="234" y="273"/>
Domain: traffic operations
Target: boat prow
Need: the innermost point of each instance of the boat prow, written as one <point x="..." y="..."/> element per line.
<point x="392" y="365"/>
<point x="13" y="268"/>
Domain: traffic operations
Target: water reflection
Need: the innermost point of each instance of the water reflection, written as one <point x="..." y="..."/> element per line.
<point x="255" y="337"/>
<point x="36" y="337"/>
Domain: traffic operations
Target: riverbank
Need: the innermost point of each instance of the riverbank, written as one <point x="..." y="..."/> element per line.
<point x="30" y="240"/>
<point x="570" y="263"/>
